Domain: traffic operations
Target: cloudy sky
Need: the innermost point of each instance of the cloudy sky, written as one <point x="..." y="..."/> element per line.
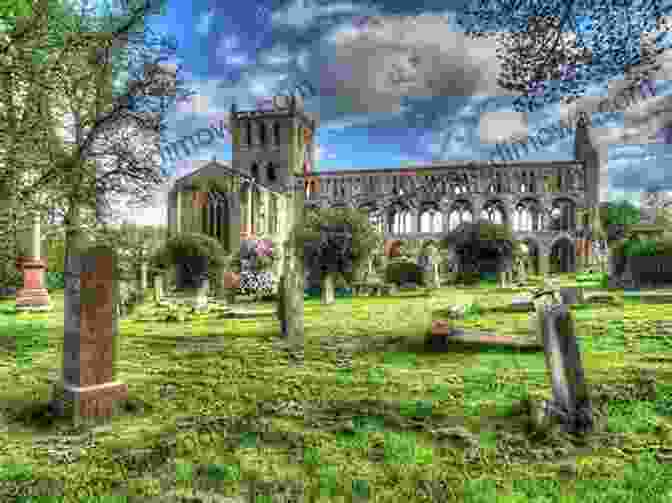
<point x="394" y="83"/>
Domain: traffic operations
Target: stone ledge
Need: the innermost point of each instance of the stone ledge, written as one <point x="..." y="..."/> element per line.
<point x="442" y="334"/>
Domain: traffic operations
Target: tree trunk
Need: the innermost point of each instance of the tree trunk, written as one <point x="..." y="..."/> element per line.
<point x="327" y="289"/>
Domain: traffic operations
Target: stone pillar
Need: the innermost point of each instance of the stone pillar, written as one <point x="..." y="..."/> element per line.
<point x="88" y="390"/>
<point x="327" y="289"/>
<point x="543" y="259"/>
<point x="33" y="296"/>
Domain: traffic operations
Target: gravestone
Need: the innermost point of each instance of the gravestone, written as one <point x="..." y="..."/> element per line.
<point x="522" y="304"/>
<point x="571" y="295"/>
<point x="144" y="272"/>
<point x="570" y="404"/>
<point x="520" y="271"/>
<point x="88" y="390"/>
<point x="158" y="288"/>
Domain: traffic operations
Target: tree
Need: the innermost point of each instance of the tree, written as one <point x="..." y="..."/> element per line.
<point x="538" y="44"/>
<point x="616" y="216"/>
<point x="104" y="157"/>
<point x="476" y="241"/>
<point x="337" y="241"/>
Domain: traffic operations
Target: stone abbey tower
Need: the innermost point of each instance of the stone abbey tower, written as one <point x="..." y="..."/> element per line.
<point x="549" y="205"/>
<point x="274" y="148"/>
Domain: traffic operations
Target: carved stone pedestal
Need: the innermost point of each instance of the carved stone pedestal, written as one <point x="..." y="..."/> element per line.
<point x="33" y="296"/>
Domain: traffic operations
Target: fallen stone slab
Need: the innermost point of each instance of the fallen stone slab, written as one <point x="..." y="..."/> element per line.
<point x="242" y="314"/>
<point x="521" y="304"/>
<point x="442" y="334"/>
<point x="599" y="298"/>
<point x="650" y="297"/>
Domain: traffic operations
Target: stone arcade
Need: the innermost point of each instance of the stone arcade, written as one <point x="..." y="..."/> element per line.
<point x="548" y="204"/>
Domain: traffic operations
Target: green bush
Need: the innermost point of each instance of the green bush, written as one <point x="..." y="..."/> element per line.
<point x="640" y="248"/>
<point x="401" y="271"/>
<point x="55" y="280"/>
<point x="190" y="245"/>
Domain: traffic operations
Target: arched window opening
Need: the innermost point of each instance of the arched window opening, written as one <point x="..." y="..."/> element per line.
<point x="276" y="134"/>
<point x="493" y="213"/>
<point x="271" y="173"/>
<point x="262" y="134"/>
<point x="460" y="214"/>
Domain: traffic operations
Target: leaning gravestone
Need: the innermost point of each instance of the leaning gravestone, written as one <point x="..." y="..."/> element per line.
<point x="88" y="390"/>
<point x="570" y="405"/>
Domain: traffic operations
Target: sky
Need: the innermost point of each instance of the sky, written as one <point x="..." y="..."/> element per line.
<point x="395" y="82"/>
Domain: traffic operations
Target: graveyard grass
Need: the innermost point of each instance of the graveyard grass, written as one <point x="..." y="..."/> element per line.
<point x="340" y="434"/>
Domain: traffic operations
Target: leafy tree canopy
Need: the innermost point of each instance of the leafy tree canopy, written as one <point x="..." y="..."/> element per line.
<point x="364" y="238"/>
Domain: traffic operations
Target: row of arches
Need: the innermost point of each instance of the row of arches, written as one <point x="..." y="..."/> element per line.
<point x="270" y="173"/>
<point x="265" y="135"/>
<point x="497" y="182"/>
<point x="561" y="256"/>
<point x="528" y="216"/>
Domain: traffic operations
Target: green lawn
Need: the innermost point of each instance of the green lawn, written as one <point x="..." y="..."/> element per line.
<point x="218" y="407"/>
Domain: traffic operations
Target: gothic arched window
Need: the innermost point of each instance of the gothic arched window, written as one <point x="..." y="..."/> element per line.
<point x="276" y="134"/>
<point x="430" y="221"/>
<point x="459" y="214"/>
<point x="527" y="216"/>
<point x="493" y="212"/>
<point x="271" y="174"/>
<point x="262" y="134"/>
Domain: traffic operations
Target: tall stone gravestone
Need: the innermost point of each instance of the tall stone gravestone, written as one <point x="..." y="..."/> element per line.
<point x="158" y="288"/>
<point x="570" y="405"/>
<point x="88" y="390"/>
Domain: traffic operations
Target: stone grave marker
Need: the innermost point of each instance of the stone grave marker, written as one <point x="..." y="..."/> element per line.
<point x="158" y="288"/>
<point x="570" y="404"/>
<point x="522" y="304"/>
<point x="88" y="390"/>
<point x="571" y="295"/>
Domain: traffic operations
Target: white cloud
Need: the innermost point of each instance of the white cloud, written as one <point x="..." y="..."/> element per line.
<point x="276" y="56"/>
<point x="302" y="13"/>
<point x="203" y="25"/>
<point x="197" y="104"/>
<point x="407" y="56"/>
<point x="501" y="127"/>
<point x="236" y="59"/>
<point x="263" y="84"/>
